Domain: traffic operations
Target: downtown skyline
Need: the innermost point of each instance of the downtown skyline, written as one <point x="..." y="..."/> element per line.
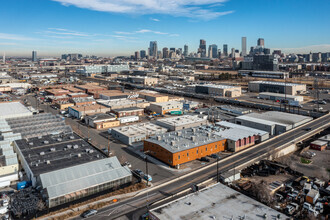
<point x="108" y="28"/>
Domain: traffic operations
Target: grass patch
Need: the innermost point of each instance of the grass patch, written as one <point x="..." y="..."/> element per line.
<point x="305" y="161"/>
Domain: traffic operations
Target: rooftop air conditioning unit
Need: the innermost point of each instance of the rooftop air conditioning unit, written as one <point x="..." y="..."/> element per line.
<point x="46" y="142"/>
<point x="31" y="143"/>
<point x="75" y="146"/>
<point x="79" y="155"/>
<point x="52" y="149"/>
<point x="42" y="153"/>
<point x="48" y="162"/>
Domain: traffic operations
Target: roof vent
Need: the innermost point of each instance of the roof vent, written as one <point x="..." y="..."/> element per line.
<point x="75" y="146"/>
<point x="39" y="137"/>
<point x="159" y="138"/>
<point x="48" y="162"/>
<point x="79" y="155"/>
<point x="69" y="146"/>
<point x="71" y="137"/>
<point x="193" y="138"/>
<point x="42" y="153"/>
<point x="91" y="151"/>
<point x="37" y="165"/>
<point x="31" y="143"/>
<point x="59" y="139"/>
<point x="53" y="149"/>
<point x="46" y="142"/>
<point x="172" y="143"/>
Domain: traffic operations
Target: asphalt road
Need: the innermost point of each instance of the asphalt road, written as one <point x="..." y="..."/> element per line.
<point x="132" y="208"/>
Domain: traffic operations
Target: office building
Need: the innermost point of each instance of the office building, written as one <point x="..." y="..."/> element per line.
<point x="142" y="54"/>
<point x="81" y="111"/>
<point x="215" y="202"/>
<point x="244" y="46"/>
<point x="4" y="57"/>
<point x="102" y="69"/>
<point x="153" y="97"/>
<point x="213" y="51"/>
<point x="153" y="49"/>
<point x="123" y="103"/>
<point x="181" y="122"/>
<point x="261" y="42"/>
<point x="137" y="55"/>
<point x="178" y="147"/>
<point x="131" y="111"/>
<point x="276" y="87"/>
<point x="232" y="54"/>
<point x="137" y="132"/>
<point x="165" y="53"/>
<point x="260" y="62"/>
<point x="225" y="50"/>
<point x="202" y="48"/>
<point x="142" y="80"/>
<point x="185" y="51"/>
<point x="34" y="56"/>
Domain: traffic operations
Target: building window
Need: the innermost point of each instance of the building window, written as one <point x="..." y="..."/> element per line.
<point x="216" y="146"/>
<point x="179" y="157"/>
<point x="197" y="151"/>
<point x="206" y="149"/>
<point x="187" y="154"/>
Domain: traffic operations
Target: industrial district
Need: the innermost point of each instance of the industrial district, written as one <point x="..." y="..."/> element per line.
<point x="166" y="135"/>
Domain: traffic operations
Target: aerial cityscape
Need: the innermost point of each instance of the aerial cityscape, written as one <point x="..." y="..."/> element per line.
<point x="160" y="110"/>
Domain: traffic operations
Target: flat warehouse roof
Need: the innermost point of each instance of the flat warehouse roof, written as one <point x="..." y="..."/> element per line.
<point x="13" y="109"/>
<point x="53" y="152"/>
<point x="233" y="125"/>
<point x="281" y="117"/>
<point x="276" y="83"/>
<point x="185" y="139"/>
<point x="140" y="129"/>
<point x="215" y="202"/>
<point x="181" y="120"/>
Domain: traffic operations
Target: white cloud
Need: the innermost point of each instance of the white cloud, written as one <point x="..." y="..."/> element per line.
<point x="61" y="31"/>
<point x="155" y="19"/>
<point x="14" y="37"/>
<point x="197" y="9"/>
<point x="306" y="49"/>
<point x="144" y="31"/>
<point x="7" y="43"/>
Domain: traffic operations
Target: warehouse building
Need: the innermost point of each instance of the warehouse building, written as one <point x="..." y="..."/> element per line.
<point x="75" y="182"/>
<point x="178" y="147"/>
<point x="136" y="133"/>
<point x="276" y="87"/>
<point x="264" y="74"/>
<point x="13" y="110"/>
<point x="278" y="96"/>
<point x="273" y="122"/>
<point x="123" y="103"/>
<point x="101" y="121"/>
<point x="128" y="112"/>
<point x="219" y="90"/>
<point x="53" y="152"/>
<point x="113" y="94"/>
<point x="91" y="88"/>
<point x="80" y="111"/>
<point x="215" y="202"/>
<point x="128" y="119"/>
<point x="262" y="135"/>
<point x="326" y="138"/>
<point x="142" y="80"/>
<point x="91" y="70"/>
<point x="165" y="107"/>
<point x="154" y="97"/>
<point x="237" y="139"/>
<point x="181" y="122"/>
<point x="83" y="101"/>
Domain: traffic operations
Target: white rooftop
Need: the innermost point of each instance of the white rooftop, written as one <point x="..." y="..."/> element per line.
<point x="215" y="202"/>
<point x="181" y="120"/>
<point x="13" y="109"/>
<point x="233" y="125"/>
<point x="275" y="83"/>
<point x="140" y="129"/>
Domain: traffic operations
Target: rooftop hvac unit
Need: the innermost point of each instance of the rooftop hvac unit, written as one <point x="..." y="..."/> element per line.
<point x="193" y="138"/>
<point x="69" y="146"/>
<point x="48" y="162"/>
<point x="87" y="150"/>
<point x="172" y="143"/>
<point x="52" y="149"/>
<point x="46" y="142"/>
<point x="37" y="164"/>
<point x="31" y="143"/>
<point x="91" y="151"/>
<point x="75" y="146"/>
<point x="79" y="155"/>
<point x="42" y="153"/>
<point x="39" y="137"/>
<point x="159" y="138"/>
<point x="71" y="137"/>
<point x="59" y="139"/>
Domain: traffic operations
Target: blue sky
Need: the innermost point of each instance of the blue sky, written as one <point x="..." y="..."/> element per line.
<point x="120" y="27"/>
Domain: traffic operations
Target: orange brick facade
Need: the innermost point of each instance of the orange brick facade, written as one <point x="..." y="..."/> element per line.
<point x="174" y="159"/>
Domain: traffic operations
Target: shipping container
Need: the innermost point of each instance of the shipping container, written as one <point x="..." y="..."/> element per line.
<point x="23" y="184"/>
<point x="176" y="112"/>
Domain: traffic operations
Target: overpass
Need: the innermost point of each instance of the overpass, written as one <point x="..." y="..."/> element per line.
<point x="164" y="191"/>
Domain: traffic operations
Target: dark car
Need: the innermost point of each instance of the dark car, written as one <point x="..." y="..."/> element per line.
<point x="308" y="129"/>
<point x="215" y="156"/>
<point x="139" y="172"/>
<point x="204" y="159"/>
<point x="89" y="213"/>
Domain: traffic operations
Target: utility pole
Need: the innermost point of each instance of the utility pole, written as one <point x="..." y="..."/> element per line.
<point x="217" y="169"/>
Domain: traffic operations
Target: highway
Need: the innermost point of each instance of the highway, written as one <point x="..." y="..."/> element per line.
<point x="132" y="208"/>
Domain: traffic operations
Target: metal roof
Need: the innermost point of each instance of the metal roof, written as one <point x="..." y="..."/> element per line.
<point x="232" y="125"/>
<point x="73" y="179"/>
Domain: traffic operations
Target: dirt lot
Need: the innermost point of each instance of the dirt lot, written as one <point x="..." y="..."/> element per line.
<point x="320" y="166"/>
